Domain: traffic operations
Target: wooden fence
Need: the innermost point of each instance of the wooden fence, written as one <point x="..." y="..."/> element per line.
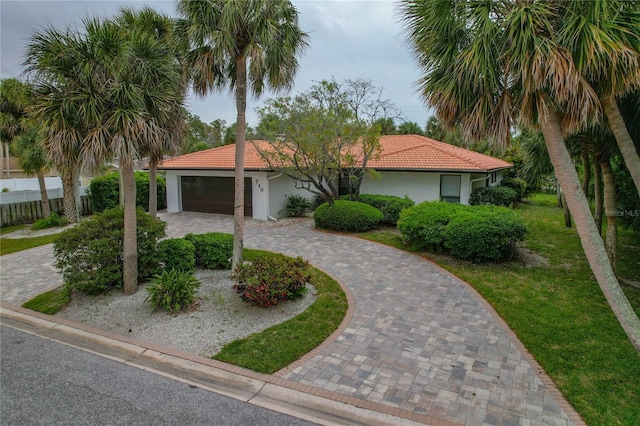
<point x="30" y="211"/>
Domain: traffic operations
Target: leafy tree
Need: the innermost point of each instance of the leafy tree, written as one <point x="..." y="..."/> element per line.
<point x="387" y="126"/>
<point x="318" y="141"/>
<point x="486" y="64"/>
<point x="246" y="46"/>
<point x="410" y="128"/>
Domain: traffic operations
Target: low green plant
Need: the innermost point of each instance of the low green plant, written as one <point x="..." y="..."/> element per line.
<point x="476" y="233"/>
<point x="389" y="205"/>
<point x="172" y="290"/>
<point x="484" y="233"/>
<point x="54" y="220"/>
<point x="347" y="216"/>
<point x="176" y="253"/>
<point x="213" y="250"/>
<point x="493" y="195"/>
<point x="89" y="255"/>
<point x="423" y="226"/>
<point x="297" y="205"/>
<point x="517" y="184"/>
<point x="51" y="302"/>
<point x="268" y="281"/>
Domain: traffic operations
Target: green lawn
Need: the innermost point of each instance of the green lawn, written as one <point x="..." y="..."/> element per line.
<point x="12" y="245"/>
<point x="282" y="344"/>
<point x="560" y="314"/>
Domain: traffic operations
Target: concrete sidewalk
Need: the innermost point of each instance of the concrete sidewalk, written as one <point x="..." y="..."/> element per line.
<point x="419" y="343"/>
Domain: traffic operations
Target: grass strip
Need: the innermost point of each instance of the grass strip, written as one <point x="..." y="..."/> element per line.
<point x="50" y="302"/>
<point x="560" y="314"/>
<point x="12" y="245"/>
<point x="280" y="345"/>
<point x="9" y="229"/>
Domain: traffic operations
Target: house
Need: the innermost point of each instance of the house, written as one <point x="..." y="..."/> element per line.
<point x="421" y="168"/>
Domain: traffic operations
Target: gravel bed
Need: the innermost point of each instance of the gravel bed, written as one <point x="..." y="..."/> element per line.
<point x="218" y="318"/>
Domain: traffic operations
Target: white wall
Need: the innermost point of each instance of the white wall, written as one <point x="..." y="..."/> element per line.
<point x="419" y="186"/>
<point x="280" y="188"/>
<point x="30" y="184"/>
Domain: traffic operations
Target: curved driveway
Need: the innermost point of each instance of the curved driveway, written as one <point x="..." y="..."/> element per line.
<point x="420" y="340"/>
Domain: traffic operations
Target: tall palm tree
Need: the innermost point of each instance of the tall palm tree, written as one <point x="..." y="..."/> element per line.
<point x="54" y="73"/>
<point x="161" y="28"/>
<point x="33" y="161"/>
<point x="604" y="37"/>
<point x="247" y="45"/>
<point x="488" y="63"/>
<point x="13" y="103"/>
<point x="120" y="87"/>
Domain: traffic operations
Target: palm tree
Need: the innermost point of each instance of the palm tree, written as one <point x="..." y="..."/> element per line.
<point x="121" y="87"/>
<point x="13" y="102"/>
<point x="51" y="64"/>
<point x="161" y="28"/>
<point x="488" y="63"/>
<point x="33" y="161"/>
<point x="247" y="45"/>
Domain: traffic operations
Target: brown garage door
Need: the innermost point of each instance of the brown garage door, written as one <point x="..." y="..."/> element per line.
<point x="213" y="194"/>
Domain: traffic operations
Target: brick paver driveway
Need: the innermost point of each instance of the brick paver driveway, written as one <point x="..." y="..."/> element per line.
<point x="420" y="339"/>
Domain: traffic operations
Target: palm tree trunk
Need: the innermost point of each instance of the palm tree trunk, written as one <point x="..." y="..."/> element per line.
<point x="586" y="172"/>
<point x="1" y="160"/>
<point x="76" y="193"/>
<point x="153" y="187"/>
<point x="585" y="225"/>
<point x="597" y="193"/>
<point x="610" y="206"/>
<point x="130" y="243"/>
<point x="68" y="197"/>
<point x="566" y="211"/>
<point x="7" y="159"/>
<point x="44" y="199"/>
<point x="238" y="206"/>
<point x="623" y="138"/>
<point x="120" y="185"/>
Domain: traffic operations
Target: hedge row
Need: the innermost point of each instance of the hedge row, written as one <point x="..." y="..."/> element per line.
<point x="347" y="216"/>
<point x="466" y="232"/>
<point x="104" y="191"/>
<point x="389" y="205"/>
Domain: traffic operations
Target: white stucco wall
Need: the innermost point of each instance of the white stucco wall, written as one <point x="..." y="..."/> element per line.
<point x="281" y="187"/>
<point x="259" y="189"/>
<point x="419" y="186"/>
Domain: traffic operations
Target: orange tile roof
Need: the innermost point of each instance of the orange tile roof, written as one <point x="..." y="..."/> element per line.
<point x="399" y="152"/>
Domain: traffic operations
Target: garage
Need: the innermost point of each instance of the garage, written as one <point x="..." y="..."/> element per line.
<point x="209" y="194"/>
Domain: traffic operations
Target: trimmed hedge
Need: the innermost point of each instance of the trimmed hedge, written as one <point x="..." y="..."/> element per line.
<point x="89" y="255"/>
<point x="347" y="216"/>
<point x="517" y="184"/>
<point x="474" y="233"/>
<point x="176" y="253"/>
<point x="104" y="191"/>
<point x="389" y="205"/>
<point x="493" y="195"/>
<point x="213" y="250"/>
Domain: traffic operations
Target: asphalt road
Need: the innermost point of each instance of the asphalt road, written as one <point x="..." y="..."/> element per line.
<point x="47" y="383"/>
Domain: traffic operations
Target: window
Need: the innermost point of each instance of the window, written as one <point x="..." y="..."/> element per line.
<point x="450" y="188"/>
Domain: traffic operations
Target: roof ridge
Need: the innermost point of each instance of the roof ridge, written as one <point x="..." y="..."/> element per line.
<point x="461" y="153"/>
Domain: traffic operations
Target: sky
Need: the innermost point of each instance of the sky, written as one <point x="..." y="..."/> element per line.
<point x="349" y="39"/>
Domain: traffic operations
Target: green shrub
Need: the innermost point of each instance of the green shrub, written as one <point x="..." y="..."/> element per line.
<point x="89" y="255"/>
<point x="213" y="250"/>
<point x="54" y="220"/>
<point x="423" y="226"/>
<point x="389" y="205"/>
<point x="297" y="205"/>
<point x="493" y="195"/>
<point x="104" y="191"/>
<point x="348" y="216"/>
<point x="269" y="280"/>
<point x="172" y="290"/>
<point x="517" y="184"/>
<point x="484" y="232"/>
<point x="176" y="253"/>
